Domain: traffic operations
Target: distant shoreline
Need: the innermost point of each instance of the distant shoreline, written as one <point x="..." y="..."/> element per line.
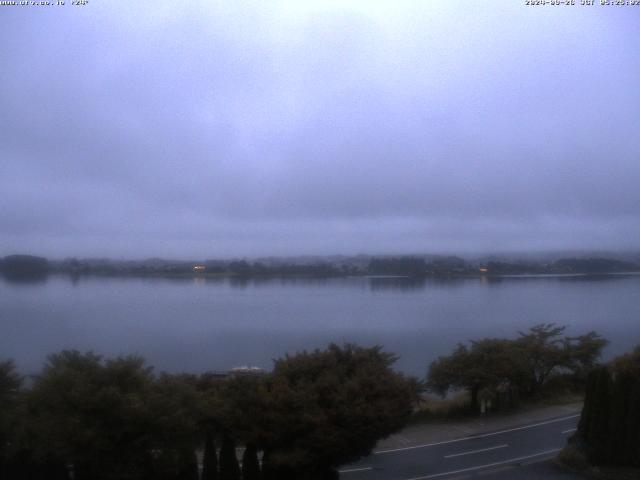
<point x="407" y="267"/>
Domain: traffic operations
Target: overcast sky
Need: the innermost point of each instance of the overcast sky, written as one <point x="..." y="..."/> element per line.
<point x="214" y="129"/>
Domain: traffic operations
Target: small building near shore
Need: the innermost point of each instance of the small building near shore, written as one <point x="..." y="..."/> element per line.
<point x="246" y="371"/>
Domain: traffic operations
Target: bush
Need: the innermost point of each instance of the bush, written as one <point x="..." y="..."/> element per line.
<point x="573" y="458"/>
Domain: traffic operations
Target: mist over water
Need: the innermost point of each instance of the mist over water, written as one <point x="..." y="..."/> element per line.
<point x="215" y="324"/>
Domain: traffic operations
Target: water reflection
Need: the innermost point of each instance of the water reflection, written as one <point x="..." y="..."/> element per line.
<point x="25" y="278"/>
<point x="229" y="321"/>
<point x="396" y="283"/>
<point x="375" y="283"/>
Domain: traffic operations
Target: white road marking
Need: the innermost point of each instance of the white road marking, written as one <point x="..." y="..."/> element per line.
<point x="493" y="471"/>
<point x="569" y="431"/>
<point x="473" y="437"/>
<point x="488" y="465"/>
<point x="476" y="451"/>
<point x="363" y="469"/>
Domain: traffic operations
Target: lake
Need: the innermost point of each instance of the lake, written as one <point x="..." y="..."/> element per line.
<point x="202" y="324"/>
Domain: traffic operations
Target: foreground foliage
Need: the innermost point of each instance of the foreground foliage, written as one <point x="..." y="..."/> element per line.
<point x="609" y="428"/>
<point x="504" y="370"/>
<point x="104" y="419"/>
<point x="336" y="404"/>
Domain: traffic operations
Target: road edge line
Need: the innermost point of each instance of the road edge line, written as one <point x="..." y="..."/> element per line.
<point x="488" y="465"/>
<point x="472" y="437"/>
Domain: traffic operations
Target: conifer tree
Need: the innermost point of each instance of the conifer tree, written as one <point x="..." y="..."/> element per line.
<point x="10" y="383"/>
<point x="599" y="426"/>
<point x="621" y="390"/>
<point x="229" y="468"/>
<point x="610" y="424"/>
<point x="188" y="465"/>
<point x="267" y="472"/>
<point x="632" y="434"/>
<point x="626" y="401"/>
<point x="250" y="464"/>
<point x="588" y="412"/>
<point x="210" y="459"/>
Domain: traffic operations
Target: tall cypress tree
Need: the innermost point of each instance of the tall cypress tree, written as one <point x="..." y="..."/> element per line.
<point x="588" y="412"/>
<point x="210" y="459"/>
<point x="620" y="409"/>
<point x="610" y="422"/>
<point x="229" y="468"/>
<point x="632" y="434"/>
<point x="250" y="464"/>
<point x="188" y="465"/>
<point x="268" y="472"/>
<point x="599" y="439"/>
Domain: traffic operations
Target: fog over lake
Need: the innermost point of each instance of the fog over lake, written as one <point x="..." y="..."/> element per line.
<point x="202" y="324"/>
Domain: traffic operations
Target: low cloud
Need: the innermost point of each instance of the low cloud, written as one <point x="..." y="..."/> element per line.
<point x="330" y="127"/>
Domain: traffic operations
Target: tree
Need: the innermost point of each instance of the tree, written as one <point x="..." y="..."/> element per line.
<point x="583" y="352"/>
<point x="173" y="403"/>
<point x="24" y="266"/>
<point x="229" y="468"/>
<point x="490" y="365"/>
<point x="210" y="458"/>
<point x="452" y="371"/>
<point x="240" y="267"/>
<point x="521" y="366"/>
<point x="93" y="414"/>
<point x="597" y="431"/>
<point x="609" y="428"/>
<point x="10" y="383"/>
<point x="543" y="350"/>
<point x="250" y="464"/>
<point x="627" y="368"/>
<point x="188" y="465"/>
<point x="242" y="406"/>
<point x="412" y="266"/>
<point x="112" y="418"/>
<point x="327" y="408"/>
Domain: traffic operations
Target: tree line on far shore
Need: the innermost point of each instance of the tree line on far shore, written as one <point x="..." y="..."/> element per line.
<point x="25" y="267"/>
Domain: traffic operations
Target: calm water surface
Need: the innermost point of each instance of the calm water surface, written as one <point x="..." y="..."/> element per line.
<point x="197" y="324"/>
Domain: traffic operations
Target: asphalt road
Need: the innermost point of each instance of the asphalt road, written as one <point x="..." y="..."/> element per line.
<point x="494" y="452"/>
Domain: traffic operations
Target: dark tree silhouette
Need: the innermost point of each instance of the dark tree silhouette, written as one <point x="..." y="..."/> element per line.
<point x="188" y="465"/>
<point x="10" y="383"/>
<point x="250" y="464"/>
<point x="210" y="459"/>
<point x="330" y="407"/>
<point x="520" y="367"/>
<point x="609" y="428"/>
<point x="229" y="468"/>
